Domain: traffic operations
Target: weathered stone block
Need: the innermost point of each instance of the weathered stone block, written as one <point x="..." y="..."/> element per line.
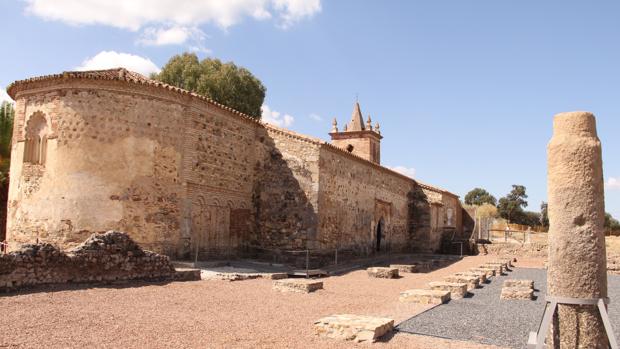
<point x="489" y="271"/>
<point x="499" y="267"/>
<point x="471" y="281"/>
<point x="297" y="285"/>
<point x="358" y="328"/>
<point x="424" y="296"/>
<point x="456" y="289"/>
<point x="517" y="293"/>
<point x="382" y="272"/>
<point x="482" y="276"/>
<point x="404" y="268"/>
<point x="519" y="283"/>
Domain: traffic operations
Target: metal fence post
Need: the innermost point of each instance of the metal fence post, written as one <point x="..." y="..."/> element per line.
<point x="307" y="263"/>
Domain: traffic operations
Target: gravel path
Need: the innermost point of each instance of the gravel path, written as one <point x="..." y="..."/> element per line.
<point x="212" y="314"/>
<point x="484" y="318"/>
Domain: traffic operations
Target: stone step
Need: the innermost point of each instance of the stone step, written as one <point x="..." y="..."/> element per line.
<point x="404" y="268"/>
<point x="518" y="283"/>
<point x="517" y="293"/>
<point x="382" y="272"/>
<point x="297" y="285"/>
<point x="456" y="289"/>
<point x="471" y="281"/>
<point x="186" y="274"/>
<point x="357" y="328"/>
<point x="424" y="296"/>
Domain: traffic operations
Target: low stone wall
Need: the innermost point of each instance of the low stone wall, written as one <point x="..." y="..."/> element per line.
<point x="102" y="258"/>
<point x="513" y="249"/>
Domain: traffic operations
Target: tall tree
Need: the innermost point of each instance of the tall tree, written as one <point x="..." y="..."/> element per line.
<point x="225" y="83"/>
<point x="479" y="197"/>
<point x="544" y="215"/>
<point x="511" y="206"/>
<point x="6" y="132"/>
<point x="611" y="222"/>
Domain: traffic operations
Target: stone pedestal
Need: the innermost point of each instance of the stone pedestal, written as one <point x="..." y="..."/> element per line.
<point x="297" y="285"/>
<point x="524" y="293"/>
<point x="482" y="276"/>
<point x="456" y="289"/>
<point x="425" y="296"/>
<point x="382" y="272"/>
<point x="577" y="256"/>
<point x="489" y="271"/>
<point x="357" y="328"/>
<point x="518" y="283"/>
<point x="471" y="281"/>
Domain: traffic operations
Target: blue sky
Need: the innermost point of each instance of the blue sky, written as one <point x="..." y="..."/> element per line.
<point x="465" y="91"/>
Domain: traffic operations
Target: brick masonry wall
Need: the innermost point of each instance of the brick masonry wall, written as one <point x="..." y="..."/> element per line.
<point x="103" y="258"/>
<point x="353" y="197"/>
<point x="168" y="169"/>
<point x="189" y="179"/>
<point x="286" y="191"/>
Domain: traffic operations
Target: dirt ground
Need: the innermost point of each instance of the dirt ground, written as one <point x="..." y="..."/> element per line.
<point x="213" y="314"/>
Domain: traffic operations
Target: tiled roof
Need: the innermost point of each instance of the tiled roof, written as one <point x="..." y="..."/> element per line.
<point x="118" y="74"/>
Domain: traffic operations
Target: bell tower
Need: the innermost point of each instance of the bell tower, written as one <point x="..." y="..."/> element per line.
<point x="357" y="137"/>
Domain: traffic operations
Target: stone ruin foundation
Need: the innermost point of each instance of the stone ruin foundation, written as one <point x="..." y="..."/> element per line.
<point x="102" y="258"/>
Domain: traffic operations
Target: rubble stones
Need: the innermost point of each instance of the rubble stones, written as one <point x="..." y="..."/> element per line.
<point x="424" y="296"/>
<point x="357" y="328"/>
<point x="107" y="257"/>
<point x="382" y="272"/>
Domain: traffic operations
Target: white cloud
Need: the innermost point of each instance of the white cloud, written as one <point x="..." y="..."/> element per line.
<point x="112" y="59"/>
<point x="171" y="36"/>
<point x="316" y="117"/>
<point x="292" y="11"/>
<point x="613" y="183"/>
<point x="407" y="171"/>
<point x="136" y="14"/>
<point x="276" y="118"/>
<point x="5" y="96"/>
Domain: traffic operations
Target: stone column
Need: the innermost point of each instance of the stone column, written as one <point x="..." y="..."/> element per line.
<point x="577" y="256"/>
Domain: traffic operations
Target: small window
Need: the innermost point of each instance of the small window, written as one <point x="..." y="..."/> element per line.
<point x="350" y="148"/>
<point x="35" y="149"/>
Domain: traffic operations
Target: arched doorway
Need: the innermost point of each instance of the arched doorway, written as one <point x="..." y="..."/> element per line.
<point x="379" y="233"/>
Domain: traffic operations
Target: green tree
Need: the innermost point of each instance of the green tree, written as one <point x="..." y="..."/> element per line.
<point x="479" y="196"/>
<point x="611" y="222"/>
<point x="511" y="206"/>
<point x="225" y="83"/>
<point x="6" y="132"/>
<point x="544" y="214"/>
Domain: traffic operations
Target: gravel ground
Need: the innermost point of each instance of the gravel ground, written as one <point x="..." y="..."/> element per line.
<point x="212" y="314"/>
<point x="484" y="318"/>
